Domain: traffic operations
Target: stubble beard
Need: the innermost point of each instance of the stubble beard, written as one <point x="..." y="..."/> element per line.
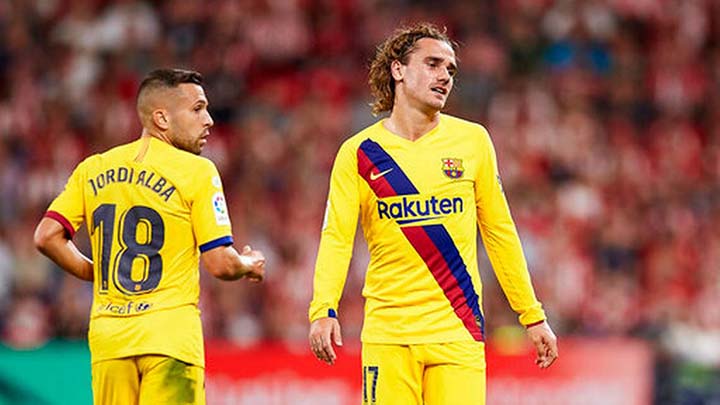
<point x="191" y="147"/>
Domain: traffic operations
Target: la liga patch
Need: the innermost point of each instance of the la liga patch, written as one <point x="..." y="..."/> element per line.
<point x="220" y="209"/>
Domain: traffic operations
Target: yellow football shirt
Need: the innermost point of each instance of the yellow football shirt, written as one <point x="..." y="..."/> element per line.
<point x="419" y="205"/>
<point x="150" y="210"/>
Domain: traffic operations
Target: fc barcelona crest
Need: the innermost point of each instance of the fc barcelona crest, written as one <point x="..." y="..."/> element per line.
<point x="453" y="167"/>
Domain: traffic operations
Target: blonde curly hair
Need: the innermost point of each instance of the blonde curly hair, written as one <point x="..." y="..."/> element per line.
<point x="398" y="47"/>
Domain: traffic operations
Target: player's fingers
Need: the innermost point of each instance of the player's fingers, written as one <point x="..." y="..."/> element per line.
<point x="254" y="260"/>
<point x="320" y="344"/>
<point x="319" y="353"/>
<point x="254" y="275"/>
<point x="543" y="360"/>
<point x="540" y="348"/>
<point x="255" y="255"/>
<point x="553" y="347"/>
<point x="322" y="353"/>
<point x="549" y="353"/>
<point x="548" y="362"/>
<point x="316" y="346"/>
<point x="328" y="351"/>
<point x="552" y="352"/>
<point x="326" y="345"/>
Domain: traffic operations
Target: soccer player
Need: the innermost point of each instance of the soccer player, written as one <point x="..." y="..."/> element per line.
<point x="152" y="208"/>
<point x="421" y="182"/>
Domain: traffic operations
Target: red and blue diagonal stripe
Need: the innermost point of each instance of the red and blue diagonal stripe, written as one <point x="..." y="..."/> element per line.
<point x="373" y="160"/>
<point x="437" y="249"/>
<point x="432" y="242"/>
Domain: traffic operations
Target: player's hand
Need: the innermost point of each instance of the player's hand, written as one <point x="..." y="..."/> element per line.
<point x="254" y="263"/>
<point x="323" y="332"/>
<point x="545" y="342"/>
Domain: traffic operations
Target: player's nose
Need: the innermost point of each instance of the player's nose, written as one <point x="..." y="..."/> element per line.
<point x="444" y="76"/>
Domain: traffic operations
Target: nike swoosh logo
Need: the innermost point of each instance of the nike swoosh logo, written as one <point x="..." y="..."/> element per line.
<point x="375" y="176"/>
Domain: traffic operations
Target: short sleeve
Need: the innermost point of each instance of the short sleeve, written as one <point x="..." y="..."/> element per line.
<point x="209" y="212"/>
<point x="68" y="208"/>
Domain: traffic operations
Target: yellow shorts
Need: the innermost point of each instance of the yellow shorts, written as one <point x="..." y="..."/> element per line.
<point x="146" y="380"/>
<point x="430" y="374"/>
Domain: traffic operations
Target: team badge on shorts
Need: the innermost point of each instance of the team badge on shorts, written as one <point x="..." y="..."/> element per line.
<point x="452" y="167"/>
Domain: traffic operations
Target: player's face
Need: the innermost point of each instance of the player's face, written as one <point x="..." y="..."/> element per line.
<point x="427" y="78"/>
<point x="190" y="119"/>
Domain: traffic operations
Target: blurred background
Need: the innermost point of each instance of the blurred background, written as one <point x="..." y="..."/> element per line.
<point x="605" y="115"/>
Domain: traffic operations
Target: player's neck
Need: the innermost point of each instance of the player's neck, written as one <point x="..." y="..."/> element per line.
<point x="155" y="134"/>
<point x="411" y="123"/>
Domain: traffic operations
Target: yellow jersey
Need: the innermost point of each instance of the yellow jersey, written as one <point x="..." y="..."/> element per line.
<point x="150" y="210"/>
<point x="419" y="205"/>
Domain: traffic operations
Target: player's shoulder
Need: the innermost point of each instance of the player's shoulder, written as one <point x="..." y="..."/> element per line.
<point x="372" y="131"/>
<point x="350" y="145"/>
<point x="201" y="168"/>
<point x="115" y="153"/>
<point x="192" y="162"/>
<point x="188" y="172"/>
<point x="98" y="160"/>
<point x="89" y="162"/>
<point x="464" y="126"/>
<point x="467" y="130"/>
<point x="180" y="161"/>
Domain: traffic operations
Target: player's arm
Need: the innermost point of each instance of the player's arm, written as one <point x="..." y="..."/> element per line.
<point x="225" y="263"/>
<point x="334" y="253"/>
<point x="504" y="250"/>
<point x="51" y="240"/>
<point x="53" y="235"/>
<point x="212" y="229"/>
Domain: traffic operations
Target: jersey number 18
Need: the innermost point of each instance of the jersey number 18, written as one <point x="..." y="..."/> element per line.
<point x="120" y="267"/>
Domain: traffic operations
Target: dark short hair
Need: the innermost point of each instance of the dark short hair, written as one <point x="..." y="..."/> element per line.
<point x="169" y="78"/>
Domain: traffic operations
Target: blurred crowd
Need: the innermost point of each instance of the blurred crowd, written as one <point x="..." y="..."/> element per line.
<point x="605" y="115"/>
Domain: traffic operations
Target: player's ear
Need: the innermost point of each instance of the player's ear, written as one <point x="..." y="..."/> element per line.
<point x="161" y="118"/>
<point x="396" y="69"/>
